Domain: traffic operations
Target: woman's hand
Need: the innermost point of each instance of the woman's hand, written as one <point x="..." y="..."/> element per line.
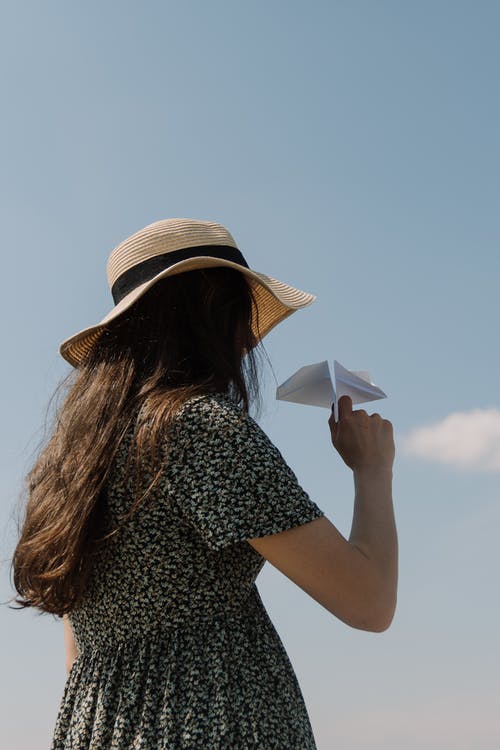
<point x="364" y="442"/>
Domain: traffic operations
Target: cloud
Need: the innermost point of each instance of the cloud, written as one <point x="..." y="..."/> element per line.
<point x="466" y="440"/>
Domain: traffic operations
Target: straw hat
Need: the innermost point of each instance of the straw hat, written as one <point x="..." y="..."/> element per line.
<point x="172" y="246"/>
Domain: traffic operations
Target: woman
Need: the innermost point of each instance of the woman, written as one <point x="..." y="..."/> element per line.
<point x="158" y="500"/>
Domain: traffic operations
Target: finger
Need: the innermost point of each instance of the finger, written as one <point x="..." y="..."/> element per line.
<point x="345" y="406"/>
<point x="362" y="412"/>
<point x="331" y="419"/>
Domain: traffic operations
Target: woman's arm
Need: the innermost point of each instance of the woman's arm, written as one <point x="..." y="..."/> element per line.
<point x="69" y="640"/>
<point x="356" y="579"/>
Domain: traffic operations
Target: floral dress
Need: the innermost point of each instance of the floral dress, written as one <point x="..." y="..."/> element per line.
<point x="176" y="649"/>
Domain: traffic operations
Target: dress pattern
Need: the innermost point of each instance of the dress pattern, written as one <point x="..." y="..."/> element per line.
<point x="176" y="649"/>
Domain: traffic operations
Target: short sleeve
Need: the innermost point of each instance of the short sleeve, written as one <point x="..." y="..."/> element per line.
<point x="230" y="482"/>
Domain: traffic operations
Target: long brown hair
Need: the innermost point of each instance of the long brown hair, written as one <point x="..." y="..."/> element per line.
<point x="189" y="334"/>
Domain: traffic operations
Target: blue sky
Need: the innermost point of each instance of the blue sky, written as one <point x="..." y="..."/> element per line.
<point x="352" y="149"/>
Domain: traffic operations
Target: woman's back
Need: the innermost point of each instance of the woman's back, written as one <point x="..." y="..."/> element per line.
<point x="174" y="641"/>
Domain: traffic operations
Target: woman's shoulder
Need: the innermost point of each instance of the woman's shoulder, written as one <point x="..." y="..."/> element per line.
<point x="216" y="414"/>
<point x="211" y="408"/>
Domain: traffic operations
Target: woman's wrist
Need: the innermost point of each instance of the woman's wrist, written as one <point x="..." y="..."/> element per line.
<point x="373" y="473"/>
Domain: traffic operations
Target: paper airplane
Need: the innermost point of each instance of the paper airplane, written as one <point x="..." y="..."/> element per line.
<point x="313" y="385"/>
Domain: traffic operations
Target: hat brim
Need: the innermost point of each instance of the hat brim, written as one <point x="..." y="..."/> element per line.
<point x="274" y="299"/>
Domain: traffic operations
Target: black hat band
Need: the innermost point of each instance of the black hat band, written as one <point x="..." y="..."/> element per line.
<point x="151" y="267"/>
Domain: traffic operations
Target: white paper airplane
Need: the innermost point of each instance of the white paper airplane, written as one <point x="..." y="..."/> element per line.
<point x="313" y="385"/>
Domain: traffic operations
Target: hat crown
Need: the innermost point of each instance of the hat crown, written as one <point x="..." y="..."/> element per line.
<point x="164" y="236"/>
